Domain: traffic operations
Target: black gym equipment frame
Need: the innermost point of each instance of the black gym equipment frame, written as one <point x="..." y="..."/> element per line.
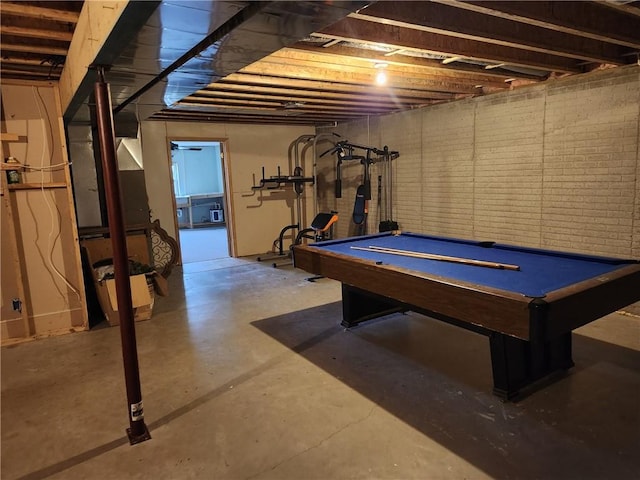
<point x="386" y="223"/>
<point x="345" y="151"/>
<point x="277" y="181"/>
<point x="296" y="159"/>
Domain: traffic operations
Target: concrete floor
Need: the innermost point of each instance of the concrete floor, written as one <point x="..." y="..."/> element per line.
<point x="203" y="244"/>
<point x="246" y="374"/>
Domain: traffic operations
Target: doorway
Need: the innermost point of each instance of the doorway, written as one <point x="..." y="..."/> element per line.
<point x="199" y="188"/>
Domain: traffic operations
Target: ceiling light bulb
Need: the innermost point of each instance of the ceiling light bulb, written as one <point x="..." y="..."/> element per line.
<point x="381" y="77"/>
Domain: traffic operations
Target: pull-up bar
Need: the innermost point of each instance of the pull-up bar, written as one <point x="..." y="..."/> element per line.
<point x="276" y="181"/>
<point x="344" y="150"/>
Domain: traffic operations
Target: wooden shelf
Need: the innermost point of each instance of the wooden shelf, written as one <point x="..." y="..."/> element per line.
<point x="195" y="205"/>
<point x="9" y="137"/>
<point x="11" y="166"/>
<point x="48" y="305"/>
<point x="208" y="224"/>
<point x="36" y="186"/>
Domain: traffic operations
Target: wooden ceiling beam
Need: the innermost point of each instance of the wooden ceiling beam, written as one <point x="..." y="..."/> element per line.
<point x="355" y="29"/>
<point x="221" y="108"/>
<point x="239" y="121"/>
<point x="288" y="97"/>
<point x="319" y="95"/>
<point x="201" y="114"/>
<point x="446" y="19"/>
<point x="29" y="71"/>
<point x="32" y="48"/>
<point x="367" y="67"/>
<point x="329" y="74"/>
<point x="267" y="105"/>
<point x="37" y="33"/>
<point x="626" y="6"/>
<point x="466" y="70"/>
<point x="242" y="119"/>
<point x="259" y="116"/>
<point x="43" y="13"/>
<point x="328" y="86"/>
<point x="594" y="20"/>
<point x="8" y="60"/>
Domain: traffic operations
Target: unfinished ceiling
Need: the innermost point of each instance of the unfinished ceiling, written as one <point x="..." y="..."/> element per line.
<point x="35" y="37"/>
<point x="430" y="52"/>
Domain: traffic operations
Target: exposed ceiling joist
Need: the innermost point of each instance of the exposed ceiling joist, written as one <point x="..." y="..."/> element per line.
<point x="359" y="30"/>
<point x="436" y="67"/>
<point x="320" y="85"/>
<point x="430" y="51"/>
<point x="468" y="24"/>
<point x="357" y="77"/>
<point x="601" y="21"/>
<point x="37" y="33"/>
<point x="319" y="94"/>
<point x="32" y="48"/>
<point x="35" y="37"/>
<point x="23" y="9"/>
<point x="397" y="69"/>
<point x="287" y="97"/>
<point x="241" y="118"/>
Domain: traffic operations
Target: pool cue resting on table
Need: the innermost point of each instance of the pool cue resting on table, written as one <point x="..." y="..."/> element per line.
<point x="443" y="258"/>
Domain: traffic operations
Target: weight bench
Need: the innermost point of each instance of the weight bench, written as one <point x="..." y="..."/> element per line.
<point x="321" y="227"/>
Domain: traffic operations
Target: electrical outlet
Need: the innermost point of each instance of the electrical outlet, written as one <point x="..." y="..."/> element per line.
<point x="17" y="304"/>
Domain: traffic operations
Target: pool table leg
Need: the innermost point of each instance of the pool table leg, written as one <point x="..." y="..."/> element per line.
<point x="518" y="364"/>
<point x="359" y="306"/>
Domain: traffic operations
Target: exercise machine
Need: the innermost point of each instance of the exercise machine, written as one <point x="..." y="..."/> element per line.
<point x="346" y="151"/>
<point x="296" y="158"/>
<point x="322" y="228"/>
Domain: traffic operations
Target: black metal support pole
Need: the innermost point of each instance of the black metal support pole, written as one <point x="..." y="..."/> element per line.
<point x="137" y="430"/>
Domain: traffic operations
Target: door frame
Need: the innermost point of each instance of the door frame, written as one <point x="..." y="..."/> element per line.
<point x="226" y="181"/>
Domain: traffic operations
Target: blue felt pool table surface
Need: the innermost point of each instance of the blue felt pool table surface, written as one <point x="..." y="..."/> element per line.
<point x="541" y="271"/>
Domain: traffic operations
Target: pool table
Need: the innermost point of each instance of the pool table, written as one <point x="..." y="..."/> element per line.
<point x="527" y="305"/>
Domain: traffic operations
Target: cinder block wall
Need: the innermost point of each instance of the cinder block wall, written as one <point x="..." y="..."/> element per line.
<point x="591" y="164"/>
<point x="554" y="165"/>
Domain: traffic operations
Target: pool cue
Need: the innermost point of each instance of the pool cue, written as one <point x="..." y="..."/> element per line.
<point x="443" y="258"/>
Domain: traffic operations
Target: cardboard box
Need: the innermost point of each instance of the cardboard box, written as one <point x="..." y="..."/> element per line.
<point x="141" y="296"/>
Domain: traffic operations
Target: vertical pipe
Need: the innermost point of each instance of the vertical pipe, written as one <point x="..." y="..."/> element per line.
<point x="137" y="430"/>
<point x="102" y="200"/>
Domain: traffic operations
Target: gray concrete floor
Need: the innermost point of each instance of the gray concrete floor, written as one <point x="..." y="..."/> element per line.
<point x="203" y="244"/>
<point x="246" y="374"/>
